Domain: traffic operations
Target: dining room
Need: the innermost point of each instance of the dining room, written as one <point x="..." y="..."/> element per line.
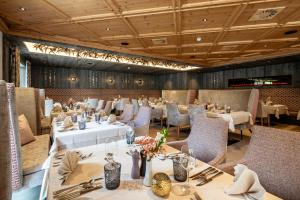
<point x="148" y="99"/>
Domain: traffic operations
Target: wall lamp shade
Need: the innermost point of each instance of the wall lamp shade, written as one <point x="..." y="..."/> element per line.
<point x="139" y="82"/>
<point x="73" y="79"/>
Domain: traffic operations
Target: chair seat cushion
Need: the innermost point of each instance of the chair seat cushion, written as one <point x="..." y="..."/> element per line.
<point x="46" y="123"/>
<point x="34" y="154"/>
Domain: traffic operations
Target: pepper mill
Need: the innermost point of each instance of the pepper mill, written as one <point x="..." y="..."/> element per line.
<point x="135" y="170"/>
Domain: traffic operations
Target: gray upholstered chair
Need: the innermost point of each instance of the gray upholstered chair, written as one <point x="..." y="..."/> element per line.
<point x="127" y="114"/>
<point x="122" y="103"/>
<point x="194" y="110"/>
<point x="260" y="113"/>
<point x="274" y="155"/>
<point x="157" y="113"/>
<point x="175" y="118"/>
<point x="208" y="139"/>
<point x="142" y="121"/>
<point x="145" y="102"/>
<point x="108" y="107"/>
<point x="100" y="105"/>
<point x="135" y="106"/>
<point x="252" y="109"/>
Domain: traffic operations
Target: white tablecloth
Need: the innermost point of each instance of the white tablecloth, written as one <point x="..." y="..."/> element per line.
<point x="93" y="134"/>
<point x="133" y="189"/>
<point x="276" y="110"/>
<point x="237" y="117"/>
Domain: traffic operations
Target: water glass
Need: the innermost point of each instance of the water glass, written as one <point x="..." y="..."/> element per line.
<point x="74" y="118"/>
<point x="180" y="173"/>
<point x="130" y="137"/>
<point x="112" y="174"/>
<point x="81" y="124"/>
<point x="97" y="117"/>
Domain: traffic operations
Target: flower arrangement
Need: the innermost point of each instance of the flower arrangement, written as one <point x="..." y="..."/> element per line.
<point x="150" y="146"/>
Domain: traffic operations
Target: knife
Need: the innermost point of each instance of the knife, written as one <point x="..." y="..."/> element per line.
<point x="197" y="196"/>
<point x="207" y="169"/>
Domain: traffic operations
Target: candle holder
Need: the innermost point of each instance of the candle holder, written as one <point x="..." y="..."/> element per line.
<point x="112" y="174"/>
<point x="180" y="174"/>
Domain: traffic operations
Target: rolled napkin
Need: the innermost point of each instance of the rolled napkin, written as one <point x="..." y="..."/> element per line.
<point x="246" y="183"/>
<point x="102" y="113"/>
<point x="212" y="114"/>
<point x="61" y="116"/>
<point x="112" y="118"/>
<point x="67" y="122"/>
<point x="269" y="101"/>
<point x="68" y="164"/>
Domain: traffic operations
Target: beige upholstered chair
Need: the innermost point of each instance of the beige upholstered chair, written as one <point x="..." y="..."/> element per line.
<point x="127" y="114"/>
<point x="100" y="105"/>
<point x="175" y="118"/>
<point x="141" y="122"/>
<point x="108" y="107"/>
<point x="122" y="103"/>
<point x="260" y="113"/>
<point x="135" y="106"/>
<point x="193" y="111"/>
<point x="274" y="155"/>
<point x="208" y="139"/>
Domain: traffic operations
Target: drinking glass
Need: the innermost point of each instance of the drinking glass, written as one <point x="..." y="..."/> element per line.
<point x="111" y="148"/>
<point x="97" y="117"/>
<point x="112" y="174"/>
<point x="187" y="153"/>
<point x="130" y="137"/>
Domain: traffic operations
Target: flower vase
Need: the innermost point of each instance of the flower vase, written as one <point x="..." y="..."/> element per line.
<point x="148" y="175"/>
<point x="143" y="164"/>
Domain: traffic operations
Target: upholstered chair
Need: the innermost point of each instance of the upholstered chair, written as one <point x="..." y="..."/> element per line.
<point x="122" y="103"/>
<point x="208" y="139"/>
<point x="10" y="155"/>
<point x="260" y="113"/>
<point x="194" y="110"/>
<point x="100" y="105"/>
<point x="108" y="107"/>
<point x="175" y="118"/>
<point x="252" y="109"/>
<point x="142" y="121"/>
<point x="127" y="114"/>
<point x="274" y="155"/>
<point x="145" y="102"/>
<point x="135" y="106"/>
<point x="157" y="113"/>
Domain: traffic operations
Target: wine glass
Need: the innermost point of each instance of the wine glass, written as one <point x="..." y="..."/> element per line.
<point x="111" y="148"/>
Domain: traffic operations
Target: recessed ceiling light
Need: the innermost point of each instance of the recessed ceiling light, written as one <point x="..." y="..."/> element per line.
<point x="199" y="39"/>
<point x="124" y="43"/>
<point x="107" y="28"/>
<point x="192" y="57"/>
<point x="22" y="9"/>
<point x="128" y="67"/>
<point x="290" y="32"/>
<point x="205" y="20"/>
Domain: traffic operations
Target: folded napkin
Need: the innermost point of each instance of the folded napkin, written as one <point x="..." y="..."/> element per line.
<point x="57" y="107"/>
<point x="67" y="122"/>
<point x="61" y="116"/>
<point x="102" y="113"/>
<point x="246" y="183"/>
<point x="112" y="118"/>
<point x="68" y="163"/>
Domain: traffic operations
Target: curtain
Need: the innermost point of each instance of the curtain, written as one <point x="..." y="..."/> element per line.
<point x="14" y="65"/>
<point x="28" y="64"/>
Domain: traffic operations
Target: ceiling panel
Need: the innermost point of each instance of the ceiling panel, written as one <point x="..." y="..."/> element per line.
<point x="126" y="5"/>
<point x="205" y="38"/>
<point x="242" y="35"/>
<point x="171" y="40"/>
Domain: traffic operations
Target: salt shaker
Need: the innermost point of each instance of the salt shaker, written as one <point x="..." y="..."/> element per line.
<point x="135" y="170"/>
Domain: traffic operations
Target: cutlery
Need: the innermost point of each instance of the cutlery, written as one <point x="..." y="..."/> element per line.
<point x="204" y="175"/>
<point x="80" y="184"/>
<point x="203" y="171"/>
<point x="197" y="196"/>
<point x="210" y="179"/>
<point x="75" y="194"/>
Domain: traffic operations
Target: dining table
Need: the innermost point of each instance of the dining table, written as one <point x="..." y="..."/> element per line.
<point x="129" y="189"/>
<point x="275" y="109"/>
<point x="94" y="133"/>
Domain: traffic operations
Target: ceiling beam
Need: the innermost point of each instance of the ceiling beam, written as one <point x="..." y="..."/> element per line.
<point x="3" y="27"/>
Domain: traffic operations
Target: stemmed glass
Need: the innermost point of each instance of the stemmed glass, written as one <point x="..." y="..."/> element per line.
<point x="111" y="148"/>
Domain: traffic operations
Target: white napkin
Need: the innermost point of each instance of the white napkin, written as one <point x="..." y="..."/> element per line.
<point x="246" y="183"/>
<point x="102" y="113"/>
<point x="61" y="116"/>
<point x="57" y="107"/>
<point x="112" y="118"/>
<point x="67" y="122"/>
<point x="68" y="163"/>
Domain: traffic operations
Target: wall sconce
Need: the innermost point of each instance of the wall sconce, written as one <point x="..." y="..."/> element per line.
<point x="139" y="82"/>
<point x="110" y="81"/>
<point x="73" y="79"/>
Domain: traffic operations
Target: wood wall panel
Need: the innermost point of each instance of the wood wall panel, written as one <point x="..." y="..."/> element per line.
<point x="62" y="95"/>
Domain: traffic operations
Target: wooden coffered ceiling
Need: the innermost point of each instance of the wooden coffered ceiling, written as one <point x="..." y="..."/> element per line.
<point x="227" y="34"/>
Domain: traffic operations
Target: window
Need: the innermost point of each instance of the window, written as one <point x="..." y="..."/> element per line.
<point x="23" y="75"/>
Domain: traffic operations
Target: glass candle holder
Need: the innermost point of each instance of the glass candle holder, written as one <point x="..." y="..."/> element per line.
<point x="81" y="124"/>
<point x="180" y="174"/>
<point x="130" y="137"/>
<point x="97" y="117"/>
<point x="74" y="118"/>
<point x="112" y="174"/>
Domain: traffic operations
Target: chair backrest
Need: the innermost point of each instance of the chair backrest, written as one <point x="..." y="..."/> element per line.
<point x="127" y="113"/>
<point x="100" y="105"/>
<point x="145" y="102"/>
<point x="195" y="110"/>
<point x="143" y="117"/>
<point x="107" y="108"/>
<point x="26" y="103"/>
<point x="135" y="106"/>
<point x="208" y="137"/>
<point x="259" y="112"/>
<point x="122" y="103"/>
<point x="253" y="103"/>
<point x="93" y="103"/>
<point x="274" y="155"/>
<point x="172" y="113"/>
